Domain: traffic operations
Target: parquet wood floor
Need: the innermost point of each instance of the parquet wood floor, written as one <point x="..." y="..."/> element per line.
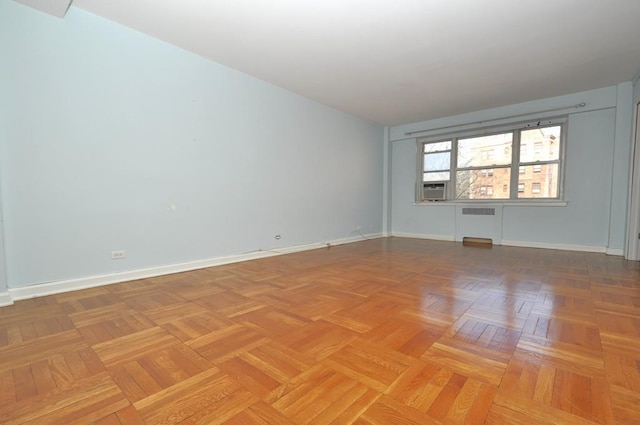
<point x="385" y="331"/>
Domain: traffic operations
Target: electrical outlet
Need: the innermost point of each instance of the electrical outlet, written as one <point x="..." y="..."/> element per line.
<point x="117" y="255"/>
<point x="357" y="228"/>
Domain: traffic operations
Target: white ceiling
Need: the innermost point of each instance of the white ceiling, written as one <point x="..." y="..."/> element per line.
<point x="399" y="61"/>
<point x="52" y="7"/>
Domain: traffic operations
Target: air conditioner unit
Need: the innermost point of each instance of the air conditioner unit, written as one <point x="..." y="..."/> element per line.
<point x="434" y="191"/>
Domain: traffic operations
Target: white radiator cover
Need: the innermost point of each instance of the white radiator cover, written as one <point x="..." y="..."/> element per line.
<point x="479" y="221"/>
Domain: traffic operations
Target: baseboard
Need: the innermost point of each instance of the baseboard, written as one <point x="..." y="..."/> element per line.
<point x="561" y="247"/>
<point x="58" y="287"/>
<point x="5" y="299"/>
<point x="447" y="238"/>
<point x="522" y="244"/>
<point x="615" y="251"/>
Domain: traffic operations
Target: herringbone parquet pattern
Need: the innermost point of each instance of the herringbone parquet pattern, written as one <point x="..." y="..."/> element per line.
<point x="386" y="331"/>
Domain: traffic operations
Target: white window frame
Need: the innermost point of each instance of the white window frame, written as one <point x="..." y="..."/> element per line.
<point x="514" y="165"/>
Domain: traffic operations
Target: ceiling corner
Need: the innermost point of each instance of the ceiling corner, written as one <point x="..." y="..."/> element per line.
<point x="56" y="8"/>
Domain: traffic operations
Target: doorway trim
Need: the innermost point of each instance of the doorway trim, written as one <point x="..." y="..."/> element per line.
<point x="633" y="214"/>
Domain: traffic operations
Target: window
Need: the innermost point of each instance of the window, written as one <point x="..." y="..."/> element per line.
<point x="535" y="188"/>
<point x="537" y="147"/>
<point x="473" y="163"/>
<point x="437" y="160"/>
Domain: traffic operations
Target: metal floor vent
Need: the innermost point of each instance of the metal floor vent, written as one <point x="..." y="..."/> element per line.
<point x="478" y="211"/>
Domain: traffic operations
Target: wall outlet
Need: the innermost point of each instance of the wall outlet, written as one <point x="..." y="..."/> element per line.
<point x="117" y="255"/>
<point x="357" y="228"/>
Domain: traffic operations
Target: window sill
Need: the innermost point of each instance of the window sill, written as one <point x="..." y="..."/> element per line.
<point x="503" y="203"/>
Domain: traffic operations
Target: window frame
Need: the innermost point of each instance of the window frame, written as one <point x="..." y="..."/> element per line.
<point x="514" y="165"/>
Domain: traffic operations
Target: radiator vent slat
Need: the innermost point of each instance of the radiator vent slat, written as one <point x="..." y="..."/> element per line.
<point x="478" y="211"/>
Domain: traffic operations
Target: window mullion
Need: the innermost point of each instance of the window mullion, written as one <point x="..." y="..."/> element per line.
<point x="454" y="170"/>
<point x="420" y="174"/>
<point x="515" y="165"/>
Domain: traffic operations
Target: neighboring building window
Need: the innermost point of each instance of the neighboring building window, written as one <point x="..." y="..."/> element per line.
<point x="537" y="147"/>
<point x="535" y="188"/>
<point x="473" y="164"/>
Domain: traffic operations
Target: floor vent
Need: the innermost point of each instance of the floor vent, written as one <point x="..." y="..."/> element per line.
<point x="481" y="242"/>
<point x="478" y="211"/>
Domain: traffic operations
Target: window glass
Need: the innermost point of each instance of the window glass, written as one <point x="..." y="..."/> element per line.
<point x="546" y="143"/>
<point x="437" y="161"/>
<point x="543" y="184"/>
<point x="439" y="176"/>
<point x="471" y="184"/>
<point x="437" y="147"/>
<point x="484" y="150"/>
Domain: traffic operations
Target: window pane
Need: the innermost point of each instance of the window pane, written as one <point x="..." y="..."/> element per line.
<point x="542" y="184"/>
<point x="485" y="150"/>
<point x="545" y="142"/>
<point x="437" y="161"/>
<point x="437" y="147"/>
<point x="440" y="176"/>
<point x="473" y="184"/>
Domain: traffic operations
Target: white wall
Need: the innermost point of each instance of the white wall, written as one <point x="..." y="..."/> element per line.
<point x="113" y="140"/>
<point x="596" y="177"/>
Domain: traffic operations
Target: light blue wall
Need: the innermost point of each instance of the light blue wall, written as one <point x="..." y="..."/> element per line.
<point x="3" y="268"/>
<point x="107" y="129"/>
<point x="596" y="176"/>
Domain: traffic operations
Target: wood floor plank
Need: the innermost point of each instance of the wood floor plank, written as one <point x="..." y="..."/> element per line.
<point x="383" y="331"/>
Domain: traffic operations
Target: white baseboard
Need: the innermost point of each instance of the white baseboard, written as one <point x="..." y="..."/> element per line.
<point x="561" y="247"/>
<point x="51" y="288"/>
<point x="447" y="238"/>
<point x="5" y="299"/>
<point x="615" y="251"/>
<point x="522" y="244"/>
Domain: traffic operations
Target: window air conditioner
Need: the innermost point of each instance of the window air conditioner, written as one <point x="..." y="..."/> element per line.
<point x="434" y="191"/>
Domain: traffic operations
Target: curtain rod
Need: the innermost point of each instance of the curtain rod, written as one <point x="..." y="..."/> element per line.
<point x="576" y="106"/>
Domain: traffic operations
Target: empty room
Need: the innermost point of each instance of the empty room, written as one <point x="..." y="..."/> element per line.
<point x="332" y="212"/>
